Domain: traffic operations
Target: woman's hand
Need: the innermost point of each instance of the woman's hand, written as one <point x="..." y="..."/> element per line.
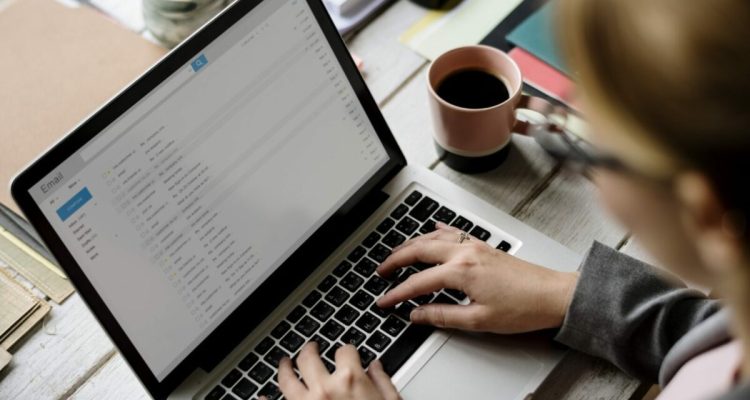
<point x="508" y="295"/>
<point x="349" y="381"/>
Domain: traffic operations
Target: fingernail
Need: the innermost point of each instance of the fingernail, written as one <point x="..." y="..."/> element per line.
<point x="415" y="314"/>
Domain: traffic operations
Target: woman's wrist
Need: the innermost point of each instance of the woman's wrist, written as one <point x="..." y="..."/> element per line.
<point x="560" y="296"/>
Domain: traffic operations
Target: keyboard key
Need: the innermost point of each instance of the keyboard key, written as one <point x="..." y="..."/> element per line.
<point x="457" y="294"/>
<point x="244" y="389"/>
<point x="442" y="298"/>
<point x="322" y="343"/>
<point x="404" y="310"/>
<point x="331" y="353"/>
<point x="260" y="373"/>
<point x="413" y="198"/>
<point x="424" y="209"/>
<point x="351" y="282"/>
<point x="428" y="226"/>
<point x="504" y="246"/>
<point x="366" y="267"/>
<point x="424" y="299"/>
<point x="399" y="211"/>
<point x="232" y="377"/>
<point x="307" y="326"/>
<point x="371" y="239"/>
<point x="280" y="329"/>
<point x="416" y="235"/>
<point x="444" y="214"/>
<point x="264" y="345"/>
<point x="405" y="274"/>
<point x="342" y="268"/>
<point x="462" y="224"/>
<point x="247" y="362"/>
<point x="312" y="298"/>
<point x="365" y="356"/>
<point x="332" y="330"/>
<point x="385" y="226"/>
<point x="337" y="296"/>
<point x="407" y="225"/>
<point x="382" y="312"/>
<point x="393" y="239"/>
<point x="378" y="341"/>
<point x="274" y="356"/>
<point x="322" y="311"/>
<point x="329" y="366"/>
<point x="296" y="314"/>
<point x="404" y="347"/>
<point x="378" y="253"/>
<point x="215" y="393"/>
<point x="346" y="315"/>
<point x="422" y="266"/>
<point x="480" y="233"/>
<point x="367" y="322"/>
<point x="271" y="392"/>
<point x="356" y="254"/>
<point x="292" y="342"/>
<point x="376" y="285"/>
<point x="353" y="336"/>
<point x="361" y="300"/>
<point x="228" y="397"/>
<point x="393" y="326"/>
<point x="327" y="284"/>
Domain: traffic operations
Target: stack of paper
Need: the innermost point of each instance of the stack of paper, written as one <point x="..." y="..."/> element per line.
<point x="21" y="310"/>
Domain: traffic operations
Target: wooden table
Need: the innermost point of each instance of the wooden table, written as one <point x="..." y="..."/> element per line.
<point x="72" y="357"/>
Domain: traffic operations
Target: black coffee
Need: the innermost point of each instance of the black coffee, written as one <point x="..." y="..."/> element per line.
<point x="473" y="88"/>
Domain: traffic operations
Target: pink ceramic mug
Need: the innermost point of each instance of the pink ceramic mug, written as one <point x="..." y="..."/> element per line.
<point x="475" y="140"/>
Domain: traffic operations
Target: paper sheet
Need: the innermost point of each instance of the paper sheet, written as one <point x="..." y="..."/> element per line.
<point x="466" y="24"/>
<point x="17" y="303"/>
<point x="39" y="271"/>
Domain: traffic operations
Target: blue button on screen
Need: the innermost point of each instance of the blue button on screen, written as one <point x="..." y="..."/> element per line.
<point x="199" y="62"/>
<point x="72" y="205"/>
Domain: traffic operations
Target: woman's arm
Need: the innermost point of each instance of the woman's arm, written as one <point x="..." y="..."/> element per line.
<point x="629" y="313"/>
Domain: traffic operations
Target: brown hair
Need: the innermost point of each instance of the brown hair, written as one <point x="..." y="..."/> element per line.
<point x="677" y="70"/>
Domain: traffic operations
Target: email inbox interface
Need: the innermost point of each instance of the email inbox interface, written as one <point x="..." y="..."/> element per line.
<point x="212" y="181"/>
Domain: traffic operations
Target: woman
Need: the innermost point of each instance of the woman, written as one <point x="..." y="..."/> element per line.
<point x="667" y="89"/>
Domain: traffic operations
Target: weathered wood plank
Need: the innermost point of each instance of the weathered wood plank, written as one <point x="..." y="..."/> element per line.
<point x="517" y="179"/>
<point x="57" y="356"/>
<point x="113" y="381"/>
<point x="568" y="211"/>
<point x="408" y="116"/>
<point x="387" y="62"/>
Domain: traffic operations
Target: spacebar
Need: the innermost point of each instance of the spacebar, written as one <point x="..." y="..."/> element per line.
<point x="404" y="347"/>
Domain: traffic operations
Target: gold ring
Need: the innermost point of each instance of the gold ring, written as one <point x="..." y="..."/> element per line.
<point x="462" y="237"/>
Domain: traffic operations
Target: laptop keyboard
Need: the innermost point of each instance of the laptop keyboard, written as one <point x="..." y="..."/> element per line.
<point x="342" y="310"/>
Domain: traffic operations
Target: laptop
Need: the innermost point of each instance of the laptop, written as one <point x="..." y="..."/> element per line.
<point x="233" y="203"/>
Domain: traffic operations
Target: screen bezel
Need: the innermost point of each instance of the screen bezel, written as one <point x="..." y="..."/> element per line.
<point x="286" y="278"/>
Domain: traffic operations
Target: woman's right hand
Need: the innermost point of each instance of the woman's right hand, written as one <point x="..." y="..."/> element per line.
<point x="508" y="295"/>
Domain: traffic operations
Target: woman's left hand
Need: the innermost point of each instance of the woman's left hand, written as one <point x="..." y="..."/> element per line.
<point x="349" y="381"/>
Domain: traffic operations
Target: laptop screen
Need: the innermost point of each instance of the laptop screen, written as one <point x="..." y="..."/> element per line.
<point x="181" y="208"/>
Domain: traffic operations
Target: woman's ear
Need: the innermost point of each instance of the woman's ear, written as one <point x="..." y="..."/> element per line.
<point x="711" y="224"/>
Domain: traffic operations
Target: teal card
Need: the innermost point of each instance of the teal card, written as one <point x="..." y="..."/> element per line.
<point x="536" y="35"/>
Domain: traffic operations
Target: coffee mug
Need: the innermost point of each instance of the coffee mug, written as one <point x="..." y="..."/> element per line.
<point x="473" y="128"/>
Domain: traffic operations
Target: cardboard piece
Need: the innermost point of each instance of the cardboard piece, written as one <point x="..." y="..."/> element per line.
<point x="466" y="24"/>
<point x="59" y="65"/>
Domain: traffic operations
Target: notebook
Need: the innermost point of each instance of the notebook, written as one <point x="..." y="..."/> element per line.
<point x="536" y="35"/>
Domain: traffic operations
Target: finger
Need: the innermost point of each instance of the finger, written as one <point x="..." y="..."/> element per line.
<point x="290" y="386"/>
<point x="442" y="232"/>
<point x="427" y="281"/>
<point x="310" y="365"/>
<point x="347" y="358"/>
<point x="382" y="381"/>
<point x="429" y="251"/>
<point x="447" y="316"/>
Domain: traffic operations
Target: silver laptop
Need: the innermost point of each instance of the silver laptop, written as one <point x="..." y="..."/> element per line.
<point x="233" y="203"/>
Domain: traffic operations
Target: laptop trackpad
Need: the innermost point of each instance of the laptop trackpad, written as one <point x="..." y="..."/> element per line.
<point x="474" y="367"/>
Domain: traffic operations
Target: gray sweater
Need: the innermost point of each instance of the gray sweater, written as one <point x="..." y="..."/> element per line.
<point x="641" y="320"/>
